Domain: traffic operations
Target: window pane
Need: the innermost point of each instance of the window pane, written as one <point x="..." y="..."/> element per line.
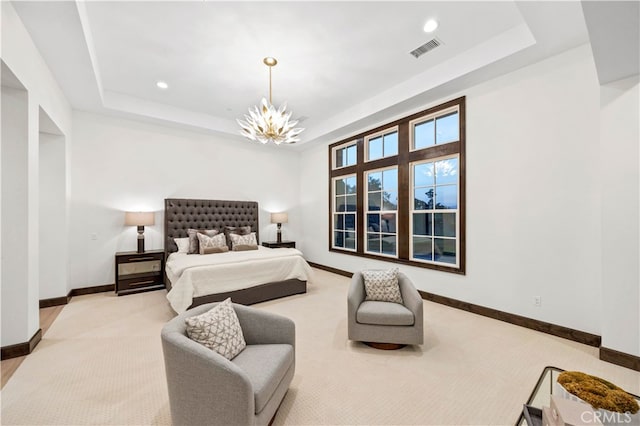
<point x="375" y="200"/>
<point x="423" y="198"/>
<point x="338" y="221"/>
<point x="350" y="221"/>
<point x="422" y="223"/>
<point x="338" y="239"/>
<point x="340" y="157"/>
<point x="444" y="224"/>
<point x="375" y="181"/>
<point x="390" y="144"/>
<point x="390" y="200"/>
<point x="339" y="187"/>
<point x="350" y="185"/>
<point x="351" y="155"/>
<point x="350" y="240"/>
<point x="388" y="222"/>
<point x="389" y="244"/>
<point x="351" y="203"/>
<point x="447" y="171"/>
<point x="447" y="128"/>
<point x="422" y="248"/>
<point x="340" y="203"/>
<point x="423" y="174"/>
<point x="445" y="250"/>
<point x="423" y="135"/>
<point x="375" y="148"/>
<point x="447" y="197"/>
<point x="373" y="222"/>
<point x="373" y="242"/>
<point x="390" y="179"/>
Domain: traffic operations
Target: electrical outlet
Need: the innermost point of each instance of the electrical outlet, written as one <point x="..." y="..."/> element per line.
<point x="94" y="236"/>
<point x="537" y="301"/>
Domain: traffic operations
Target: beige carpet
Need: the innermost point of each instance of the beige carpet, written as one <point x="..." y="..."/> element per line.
<point x="101" y="363"/>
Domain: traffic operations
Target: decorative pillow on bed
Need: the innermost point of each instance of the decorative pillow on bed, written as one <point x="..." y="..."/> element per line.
<point x="213" y="250"/>
<point x="237" y="230"/>
<point x="243" y="242"/>
<point x="218" y="329"/>
<point x="194" y="245"/>
<point x="382" y="285"/>
<point x="183" y="244"/>
<point x="207" y="243"/>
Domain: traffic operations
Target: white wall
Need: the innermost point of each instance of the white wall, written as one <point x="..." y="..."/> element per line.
<point x="119" y="165"/>
<point x="21" y="321"/>
<point x="15" y="326"/>
<point x="619" y="139"/>
<point x="53" y="219"/>
<point x="533" y="200"/>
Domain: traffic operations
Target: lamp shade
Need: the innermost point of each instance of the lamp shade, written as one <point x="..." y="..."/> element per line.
<point x="279" y="217"/>
<point x="139" y="218"/>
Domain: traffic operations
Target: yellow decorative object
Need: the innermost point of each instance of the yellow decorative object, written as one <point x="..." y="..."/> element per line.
<point x="598" y="392"/>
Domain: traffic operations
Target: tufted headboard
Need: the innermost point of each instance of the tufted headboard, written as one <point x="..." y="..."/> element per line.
<point x="182" y="214"/>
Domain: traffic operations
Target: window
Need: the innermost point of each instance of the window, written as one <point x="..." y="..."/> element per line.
<point x="437" y="129"/>
<point x="398" y="191"/>
<point x="434" y="214"/>
<point x="344" y="212"/>
<point x="344" y="155"/>
<point x="383" y="144"/>
<point x="382" y="206"/>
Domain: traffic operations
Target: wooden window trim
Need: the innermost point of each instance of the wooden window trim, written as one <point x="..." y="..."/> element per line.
<point x="403" y="161"/>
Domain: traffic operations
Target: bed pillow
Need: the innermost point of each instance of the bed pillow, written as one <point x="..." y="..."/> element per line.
<point x="218" y="329"/>
<point x="194" y="244"/>
<point x="207" y="242"/>
<point x="382" y="285"/>
<point x="237" y="230"/>
<point x="213" y="250"/>
<point x="183" y="244"/>
<point x="243" y="242"/>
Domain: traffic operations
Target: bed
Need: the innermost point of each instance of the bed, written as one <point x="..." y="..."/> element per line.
<point x="247" y="277"/>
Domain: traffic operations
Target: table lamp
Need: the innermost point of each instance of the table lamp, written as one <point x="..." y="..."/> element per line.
<point x="140" y="219"/>
<point x="279" y="218"/>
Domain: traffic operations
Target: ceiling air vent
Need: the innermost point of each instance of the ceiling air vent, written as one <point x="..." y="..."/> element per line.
<point x="430" y="45"/>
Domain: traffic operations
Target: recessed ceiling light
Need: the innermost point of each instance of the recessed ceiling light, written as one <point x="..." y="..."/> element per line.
<point x="430" y="26"/>
<point x="162" y="85"/>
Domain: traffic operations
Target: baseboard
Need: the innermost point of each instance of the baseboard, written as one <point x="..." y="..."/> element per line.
<point x="533" y="324"/>
<point x="330" y="269"/>
<point x="544" y="327"/>
<point x="55" y="301"/>
<point x="92" y="290"/>
<point x="620" y="358"/>
<point x="21" y="349"/>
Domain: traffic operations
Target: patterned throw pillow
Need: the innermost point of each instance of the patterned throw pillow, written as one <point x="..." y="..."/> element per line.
<point x="218" y="329"/>
<point x="239" y="230"/>
<point x="194" y="245"/>
<point x="243" y="240"/>
<point x="205" y="242"/>
<point x="382" y="285"/>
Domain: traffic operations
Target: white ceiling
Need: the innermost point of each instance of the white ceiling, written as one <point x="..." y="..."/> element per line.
<point x="342" y="65"/>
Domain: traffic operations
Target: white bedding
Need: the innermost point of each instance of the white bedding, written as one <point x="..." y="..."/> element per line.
<point x="200" y="275"/>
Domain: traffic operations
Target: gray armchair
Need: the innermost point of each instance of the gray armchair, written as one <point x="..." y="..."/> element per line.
<point x="385" y="325"/>
<point x="205" y="388"/>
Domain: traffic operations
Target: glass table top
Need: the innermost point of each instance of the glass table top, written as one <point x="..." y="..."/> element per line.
<point x="541" y="394"/>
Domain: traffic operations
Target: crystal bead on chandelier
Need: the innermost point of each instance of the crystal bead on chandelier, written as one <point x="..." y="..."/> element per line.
<point x="267" y="124"/>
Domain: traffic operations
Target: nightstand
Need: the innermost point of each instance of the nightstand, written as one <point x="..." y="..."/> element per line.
<point x="137" y="272"/>
<point x="282" y="244"/>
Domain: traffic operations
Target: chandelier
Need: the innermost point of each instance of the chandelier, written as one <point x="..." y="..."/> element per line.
<point x="266" y="124"/>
